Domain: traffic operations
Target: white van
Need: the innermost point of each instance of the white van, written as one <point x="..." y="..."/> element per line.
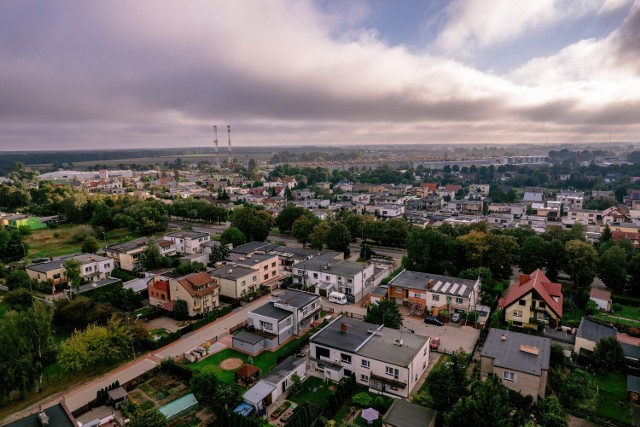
<point x="338" y="298"/>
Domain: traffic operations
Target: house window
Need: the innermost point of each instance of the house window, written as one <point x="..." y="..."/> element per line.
<point x="522" y="302"/>
<point x="364" y="378"/>
<point x="436" y="297"/>
<point x="266" y="276"/>
<point x="346" y="358"/>
<point x="392" y="371"/>
<point x="266" y="326"/>
<point x="273" y="264"/>
<point x="255" y="278"/>
<point x="458" y="300"/>
<point x="509" y="376"/>
<point x="322" y="352"/>
<point x="243" y="283"/>
<point x="266" y="267"/>
<point x="540" y="304"/>
<point x="288" y="321"/>
<point x="315" y="275"/>
<point x="327" y="278"/>
<point x="365" y="363"/>
<point x="349" y="280"/>
<point x="517" y="313"/>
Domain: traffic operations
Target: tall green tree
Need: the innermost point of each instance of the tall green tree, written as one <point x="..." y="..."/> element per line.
<point x="254" y="223"/>
<point x="151" y="258"/>
<point x="582" y="262"/>
<point x="533" y="254"/>
<point x="72" y="271"/>
<point x="204" y="385"/>
<point x="338" y="238"/>
<point x="288" y="216"/>
<point x="608" y="355"/>
<point x="318" y="237"/>
<point x="303" y="227"/>
<point x="487" y="404"/>
<point x="234" y="236"/>
<point x="449" y="383"/>
<point x="612" y="268"/>
<point x="384" y="313"/>
<point x="503" y="255"/>
<point x="17" y="279"/>
<point x="89" y="245"/>
<point x="430" y="251"/>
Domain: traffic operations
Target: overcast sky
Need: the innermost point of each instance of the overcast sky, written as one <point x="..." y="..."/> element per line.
<point x="149" y="73"/>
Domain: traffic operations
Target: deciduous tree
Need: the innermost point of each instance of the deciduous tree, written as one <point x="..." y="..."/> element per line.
<point x="582" y="262"/>
<point x="234" y="236"/>
<point x="384" y="313"/>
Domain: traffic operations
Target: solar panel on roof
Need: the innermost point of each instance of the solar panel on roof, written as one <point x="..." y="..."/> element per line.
<point x="462" y="289"/>
<point x="437" y="286"/>
<point x="454" y="288"/>
<point x="446" y="286"/>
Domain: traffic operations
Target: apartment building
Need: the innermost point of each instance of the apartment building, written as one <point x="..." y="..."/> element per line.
<point x="188" y="241"/>
<point x="93" y="268"/>
<point x="236" y="281"/>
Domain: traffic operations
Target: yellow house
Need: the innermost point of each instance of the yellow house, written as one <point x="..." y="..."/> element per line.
<point x="533" y="302"/>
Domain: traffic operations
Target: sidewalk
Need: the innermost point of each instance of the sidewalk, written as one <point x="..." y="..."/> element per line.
<point x="84" y="393"/>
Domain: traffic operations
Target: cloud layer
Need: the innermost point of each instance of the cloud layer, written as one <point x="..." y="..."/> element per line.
<point x="129" y="74"/>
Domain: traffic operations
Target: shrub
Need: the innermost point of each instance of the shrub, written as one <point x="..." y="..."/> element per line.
<point x="56" y="235"/>
<point x="616" y="307"/>
<point x="363" y="399"/>
<point x="81" y="233"/>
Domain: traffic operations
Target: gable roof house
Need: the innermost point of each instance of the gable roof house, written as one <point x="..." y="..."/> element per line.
<point x="533" y="302"/>
<point x="589" y="334"/>
<point x="520" y="360"/>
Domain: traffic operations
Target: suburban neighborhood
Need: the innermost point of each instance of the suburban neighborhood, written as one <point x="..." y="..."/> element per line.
<point x="494" y="291"/>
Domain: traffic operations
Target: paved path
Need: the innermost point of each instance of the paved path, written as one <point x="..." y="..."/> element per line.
<point x="83" y="394"/>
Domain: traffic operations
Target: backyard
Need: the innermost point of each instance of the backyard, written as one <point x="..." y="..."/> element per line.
<point x="613" y="401"/>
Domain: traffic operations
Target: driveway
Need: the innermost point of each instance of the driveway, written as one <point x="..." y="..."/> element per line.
<point x="163" y="322"/>
<point x="452" y="337"/>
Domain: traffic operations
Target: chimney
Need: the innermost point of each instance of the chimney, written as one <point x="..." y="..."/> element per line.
<point x="524" y="278"/>
<point x="503" y="337"/>
<point x="344" y="327"/>
<point x="430" y="284"/>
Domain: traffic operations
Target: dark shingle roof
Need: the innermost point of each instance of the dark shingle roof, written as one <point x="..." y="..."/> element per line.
<point x="272" y="312"/>
<point x="297" y="299"/>
<point x="58" y="417"/>
<point x="350" y="340"/>
<point x="407" y="414"/>
<point x="633" y="383"/>
<point x="594" y="331"/>
<point x="508" y="353"/>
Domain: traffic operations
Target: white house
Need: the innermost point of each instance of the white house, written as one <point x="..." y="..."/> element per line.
<point x="187" y="241"/>
<point x="385" y="360"/>
<point x="276" y="383"/>
<point x="601" y="297"/>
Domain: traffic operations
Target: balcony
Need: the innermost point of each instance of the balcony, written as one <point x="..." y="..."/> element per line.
<point x="388" y="381"/>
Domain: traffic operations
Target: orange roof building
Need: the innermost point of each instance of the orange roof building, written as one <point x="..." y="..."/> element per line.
<point x="534" y="302"/>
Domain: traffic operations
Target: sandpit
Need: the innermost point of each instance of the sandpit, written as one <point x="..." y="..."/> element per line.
<point x="231" y="364"/>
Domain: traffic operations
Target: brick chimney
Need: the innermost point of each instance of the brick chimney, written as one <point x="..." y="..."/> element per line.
<point x="524" y="278"/>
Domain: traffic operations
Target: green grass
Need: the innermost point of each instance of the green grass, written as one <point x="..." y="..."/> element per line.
<point x="441" y="360"/>
<point x="314" y="390"/>
<point x="613" y="318"/>
<point x="613" y="401"/>
<point x="573" y="315"/>
<point x="628" y="311"/>
<point x="3" y="308"/>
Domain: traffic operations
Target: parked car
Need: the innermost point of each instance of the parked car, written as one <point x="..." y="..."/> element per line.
<point x="435" y="343"/>
<point x="456" y="317"/>
<point x="433" y="321"/>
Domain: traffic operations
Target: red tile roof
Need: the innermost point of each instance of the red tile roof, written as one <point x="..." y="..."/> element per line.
<point x="598" y="293"/>
<point x="539" y="283"/>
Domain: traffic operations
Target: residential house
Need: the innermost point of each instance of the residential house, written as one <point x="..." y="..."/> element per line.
<point x="386" y="211"/>
<point x="384" y="360"/>
<point x="427" y="189"/>
<point x="517" y="210"/>
<point x="403" y="413"/>
<point x="465" y="207"/>
<point x="538" y="223"/>
<point x="589" y="334"/>
<point x="602" y="298"/>
<point x="571" y="199"/>
<point x="497" y="220"/>
<point x="429" y="291"/>
<point x="199" y="290"/>
<point x="236" y="281"/>
<point x="277" y="382"/>
<point x="533" y="195"/>
<point x="521" y="361"/>
<point x="534" y="301"/>
<point x="289" y="314"/>
<point x="187" y="241"/>
<point x="602" y="195"/>
<point x="481" y="189"/>
<point x="266" y="264"/>
<point x="325" y="274"/>
<point x="92" y="269"/>
<point x="316" y="203"/>
<point x="127" y="255"/>
<point x="615" y="214"/>
<point x="583" y="216"/>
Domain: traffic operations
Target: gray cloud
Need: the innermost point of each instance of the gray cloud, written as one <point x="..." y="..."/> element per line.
<point x="116" y="73"/>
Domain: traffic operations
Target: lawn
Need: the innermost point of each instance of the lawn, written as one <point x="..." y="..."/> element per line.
<point x="314" y="390"/>
<point x="613" y="401"/>
<point x="613" y="318"/>
<point x="265" y="361"/>
<point x="571" y="316"/>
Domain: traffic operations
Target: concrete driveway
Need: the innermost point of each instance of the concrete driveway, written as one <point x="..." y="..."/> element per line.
<point x="452" y="337"/>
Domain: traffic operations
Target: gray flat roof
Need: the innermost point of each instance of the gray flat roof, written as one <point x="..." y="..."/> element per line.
<point x="341" y="268"/>
<point x="58" y="417"/>
<point x="250" y="260"/>
<point x="283" y="369"/>
<point x="445" y="285"/>
<point x="508" y="353"/>
<point x="350" y="340"/>
<point x="98" y="284"/>
<point x="297" y="299"/>
<point x="248" y="337"/>
<point x="385" y="348"/>
<point x="633" y="383"/>
<point x="258" y="392"/>
<point x="137" y="285"/>
<point x="630" y="351"/>
<point x="272" y="312"/>
<point x="232" y="272"/>
<point x="595" y="331"/>
<point x="406" y="414"/>
<point x="250" y="247"/>
<point x="187" y="234"/>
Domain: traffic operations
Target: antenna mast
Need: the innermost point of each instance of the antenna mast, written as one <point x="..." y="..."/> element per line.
<point x="215" y="146"/>
<point x="230" y="160"/>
